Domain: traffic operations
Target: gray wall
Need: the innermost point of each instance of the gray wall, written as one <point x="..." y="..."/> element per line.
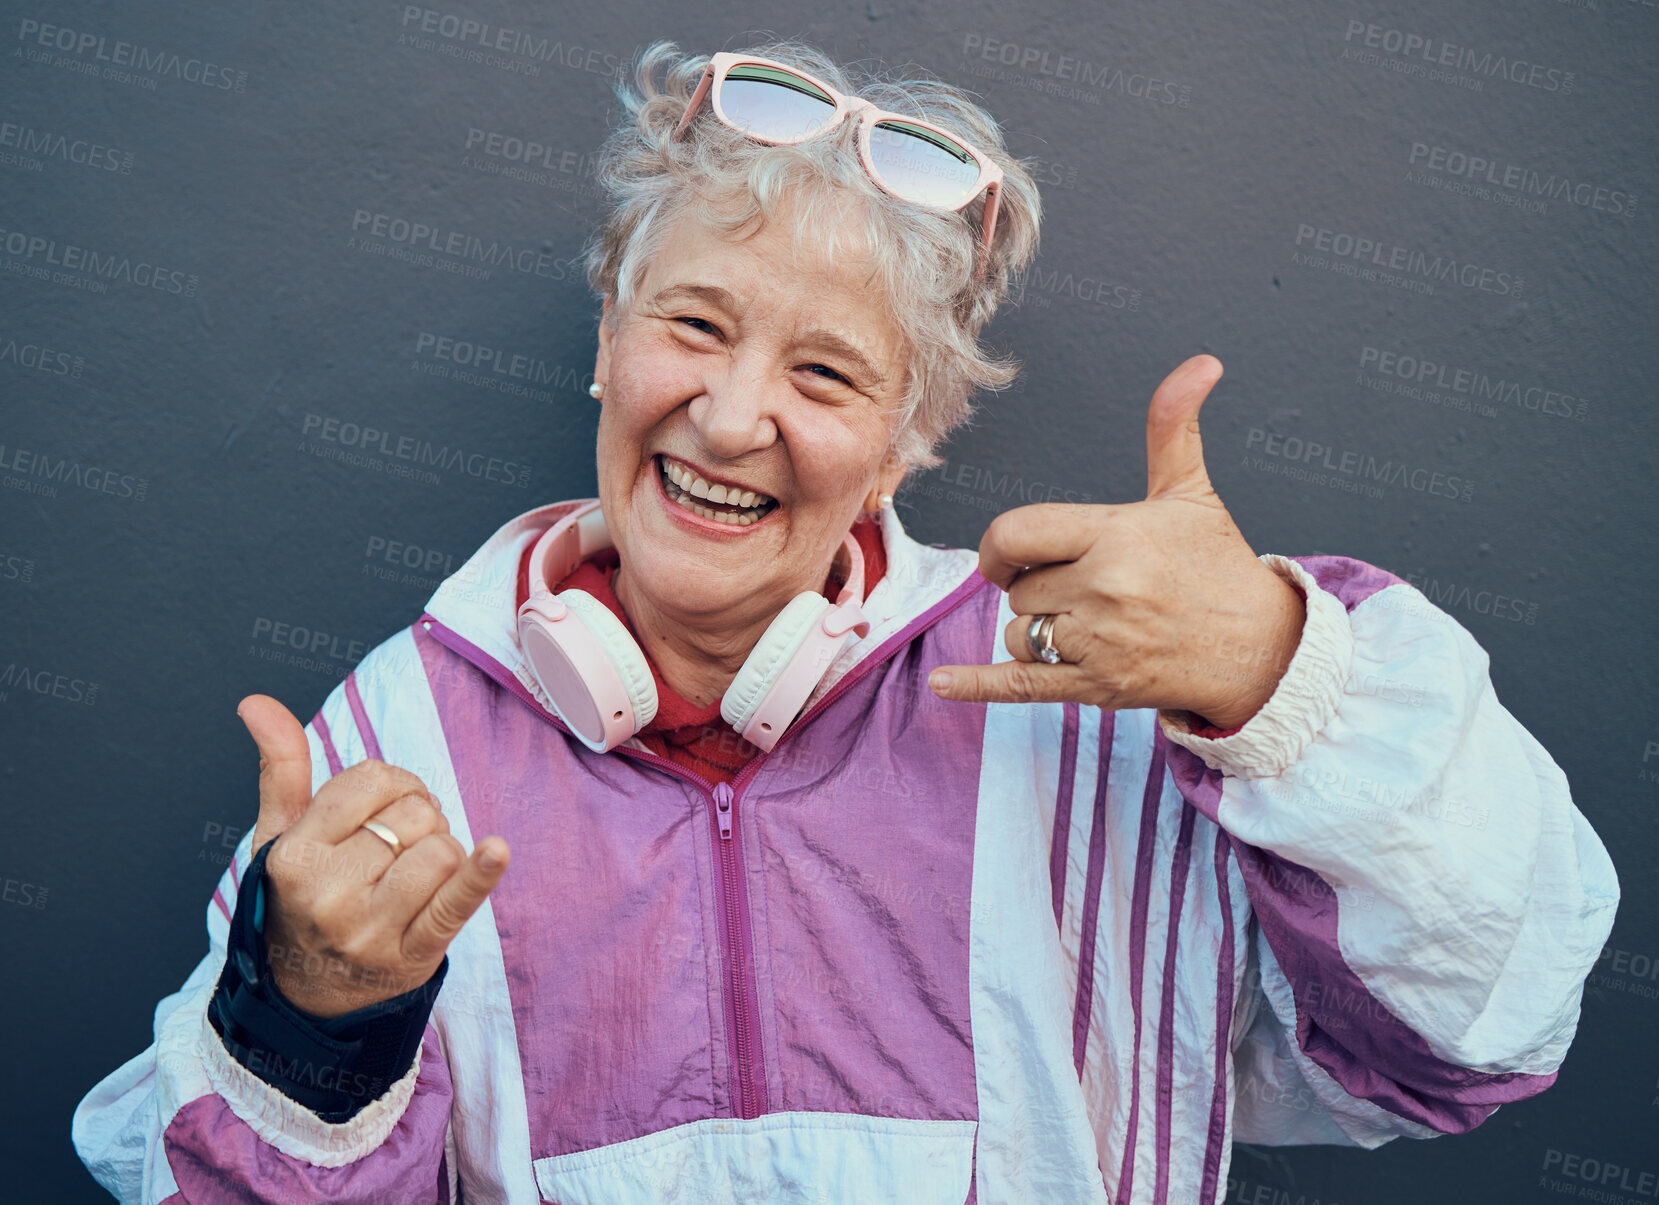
<point x="1208" y="169"/>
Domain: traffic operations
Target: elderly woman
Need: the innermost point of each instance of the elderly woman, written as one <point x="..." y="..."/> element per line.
<point x="844" y="867"/>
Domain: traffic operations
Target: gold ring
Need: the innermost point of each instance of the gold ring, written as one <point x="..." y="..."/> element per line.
<point x="385" y="834"/>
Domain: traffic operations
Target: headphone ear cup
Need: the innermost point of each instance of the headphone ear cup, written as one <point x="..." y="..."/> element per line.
<point x="767" y="661"/>
<point x="591" y="669"/>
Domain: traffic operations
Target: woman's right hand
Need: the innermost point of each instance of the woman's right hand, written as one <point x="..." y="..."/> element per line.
<point x="346" y="924"/>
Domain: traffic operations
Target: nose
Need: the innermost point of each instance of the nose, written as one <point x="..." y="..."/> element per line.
<point x="737" y="410"/>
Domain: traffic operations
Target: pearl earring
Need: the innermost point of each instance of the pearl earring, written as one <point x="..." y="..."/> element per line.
<point x="885" y="502"/>
<point x="596" y="390"/>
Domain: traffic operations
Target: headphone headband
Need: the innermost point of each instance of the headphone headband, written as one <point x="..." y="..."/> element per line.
<point x="570" y="541"/>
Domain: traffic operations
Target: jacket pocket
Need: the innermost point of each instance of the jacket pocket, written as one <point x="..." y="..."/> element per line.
<point x="775" y="1159"/>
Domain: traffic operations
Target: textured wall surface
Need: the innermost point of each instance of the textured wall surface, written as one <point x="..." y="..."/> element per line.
<point x="1420" y="236"/>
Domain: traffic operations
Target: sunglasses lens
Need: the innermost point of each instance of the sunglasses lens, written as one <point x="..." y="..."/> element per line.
<point x="920" y="165"/>
<point x="771" y="104"/>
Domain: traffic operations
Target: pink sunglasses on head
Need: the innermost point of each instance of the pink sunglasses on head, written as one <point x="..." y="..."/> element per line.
<point x="774" y="103"/>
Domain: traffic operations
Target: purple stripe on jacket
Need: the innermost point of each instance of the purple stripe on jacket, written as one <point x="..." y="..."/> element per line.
<point x="365" y="729"/>
<point x="320" y="727"/>
<point x="1340" y="1025"/>
<point x="1091" y="898"/>
<point x="1150" y="798"/>
<point x="1179" y="865"/>
<point x="1061" y="840"/>
<point x="1216" y="1143"/>
<point x="215" y="1156"/>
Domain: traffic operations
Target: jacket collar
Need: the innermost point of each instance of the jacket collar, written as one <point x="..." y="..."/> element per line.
<point x="479" y="601"/>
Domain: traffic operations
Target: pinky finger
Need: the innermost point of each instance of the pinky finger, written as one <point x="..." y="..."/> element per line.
<point x="455" y="900"/>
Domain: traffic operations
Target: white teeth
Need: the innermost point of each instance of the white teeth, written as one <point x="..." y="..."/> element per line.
<point x="685" y="488"/>
<point x="728" y="495"/>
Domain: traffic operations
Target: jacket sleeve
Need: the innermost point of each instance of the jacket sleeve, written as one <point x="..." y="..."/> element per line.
<point x="1425" y="899"/>
<point x="185" y="1121"/>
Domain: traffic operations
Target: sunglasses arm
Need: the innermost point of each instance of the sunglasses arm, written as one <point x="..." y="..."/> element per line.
<point x="696" y="101"/>
<point x="988" y="227"/>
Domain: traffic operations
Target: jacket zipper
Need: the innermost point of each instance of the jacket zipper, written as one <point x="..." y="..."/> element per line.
<point x="736" y="934"/>
<point x="743" y="1013"/>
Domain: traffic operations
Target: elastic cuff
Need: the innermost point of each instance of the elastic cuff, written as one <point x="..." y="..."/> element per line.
<point x="334" y="1066"/>
<point x="288" y="1126"/>
<point x="1272" y="740"/>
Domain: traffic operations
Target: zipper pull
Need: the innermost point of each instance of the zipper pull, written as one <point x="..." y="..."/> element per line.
<point x="723" y="808"/>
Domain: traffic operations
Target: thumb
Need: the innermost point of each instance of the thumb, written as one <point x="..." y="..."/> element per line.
<point x="284" y="765"/>
<point x="1174" y="451"/>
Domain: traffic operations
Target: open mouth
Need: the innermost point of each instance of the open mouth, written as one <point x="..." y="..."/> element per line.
<point x="723" y="504"/>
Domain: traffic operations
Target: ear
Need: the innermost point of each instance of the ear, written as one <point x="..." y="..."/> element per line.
<point x="887" y="480"/>
<point x="607" y="334"/>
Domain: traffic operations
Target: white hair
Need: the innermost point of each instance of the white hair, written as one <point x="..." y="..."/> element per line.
<point x="924" y="260"/>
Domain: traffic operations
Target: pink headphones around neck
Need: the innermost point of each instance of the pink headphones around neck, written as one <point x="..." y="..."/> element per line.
<point x="597" y="677"/>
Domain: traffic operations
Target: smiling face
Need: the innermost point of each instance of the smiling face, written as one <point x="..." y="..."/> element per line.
<point x="745" y="423"/>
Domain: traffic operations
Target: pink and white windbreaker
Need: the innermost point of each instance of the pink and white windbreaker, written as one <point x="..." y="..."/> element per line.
<point x="927" y="952"/>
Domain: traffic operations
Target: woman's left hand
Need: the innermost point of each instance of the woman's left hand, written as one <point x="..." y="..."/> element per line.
<point x="1159" y="603"/>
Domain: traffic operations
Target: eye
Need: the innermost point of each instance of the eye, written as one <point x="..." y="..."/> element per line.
<point x="833" y="375"/>
<point x="712" y="329"/>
